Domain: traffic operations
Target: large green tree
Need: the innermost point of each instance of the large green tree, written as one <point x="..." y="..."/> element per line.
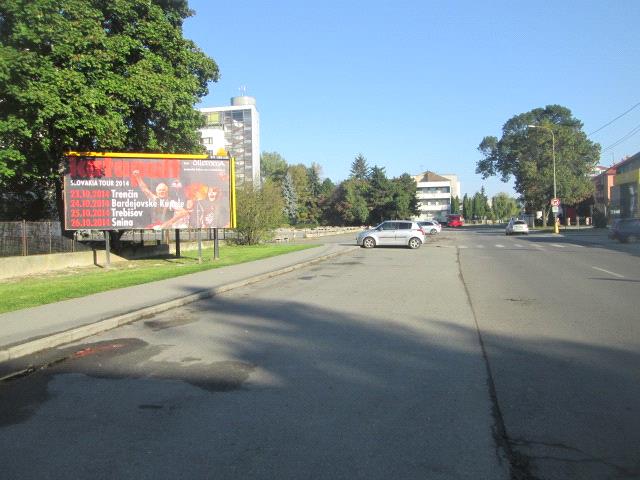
<point x="405" y="202"/>
<point x="526" y="154"/>
<point x="95" y="75"/>
<point x="273" y="166"/>
<point x="504" y="206"/>
<point x="259" y="211"/>
<point x="359" y="168"/>
<point x="380" y="195"/>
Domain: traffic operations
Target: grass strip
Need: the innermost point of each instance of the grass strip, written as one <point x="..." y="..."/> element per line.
<point x="38" y="290"/>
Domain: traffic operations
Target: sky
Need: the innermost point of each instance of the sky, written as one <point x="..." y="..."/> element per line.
<point x="416" y="85"/>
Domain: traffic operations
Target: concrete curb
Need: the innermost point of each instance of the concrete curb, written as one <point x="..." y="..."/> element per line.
<point x="57" y="339"/>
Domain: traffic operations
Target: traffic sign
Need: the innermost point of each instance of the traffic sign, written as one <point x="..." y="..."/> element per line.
<point x="555" y="202"/>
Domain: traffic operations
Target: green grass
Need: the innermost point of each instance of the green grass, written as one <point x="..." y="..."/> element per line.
<point x="37" y="290"/>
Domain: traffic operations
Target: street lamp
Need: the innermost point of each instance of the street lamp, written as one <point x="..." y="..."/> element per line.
<point x="553" y="156"/>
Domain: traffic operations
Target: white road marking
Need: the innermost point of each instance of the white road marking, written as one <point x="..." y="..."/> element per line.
<point x="499" y="246"/>
<point x="607" y="271"/>
<point x="558" y="245"/>
<point x="519" y="245"/>
<point x="574" y="245"/>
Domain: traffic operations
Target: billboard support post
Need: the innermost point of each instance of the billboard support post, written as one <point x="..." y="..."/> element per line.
<point x="199" y="245"/>
<point x="216" y="246"/>
<point x="107" y="248"/>
<point x="177" y="242"/>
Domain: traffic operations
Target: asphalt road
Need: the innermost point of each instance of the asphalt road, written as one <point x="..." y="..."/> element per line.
<point x="478" y="356"/>
<point x="560" y="324"/>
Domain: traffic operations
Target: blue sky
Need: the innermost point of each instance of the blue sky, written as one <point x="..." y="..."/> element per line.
<point x="416" y="85"/>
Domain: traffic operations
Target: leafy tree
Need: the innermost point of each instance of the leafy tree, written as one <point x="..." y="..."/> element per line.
<point x="455" y="204"/>
<point x="527" y="155"/>
<point x="95" y="75"/>
<point x="380" y="195"/>
<point x="273" y="166"/>
<point x="327" y="189"/>
<point x="300" y="180"/>
<point x="259" y="211"/>
<point x="504" y="206"/>
<point x="290" y="199"/>
<point x="350" y="203"/>
<point x="467" y="207"/>
<point x="480" y="205"/>
<point x="315" y="199"/>
<point x="405" y="202"/>
<point x="359" y="168"/>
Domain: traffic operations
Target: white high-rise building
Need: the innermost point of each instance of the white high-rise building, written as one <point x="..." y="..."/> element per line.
<point x="235" y="129"/>
<point x="434" y="193"/>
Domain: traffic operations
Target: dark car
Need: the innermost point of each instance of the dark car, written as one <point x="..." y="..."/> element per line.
<point x="625" y="230"/>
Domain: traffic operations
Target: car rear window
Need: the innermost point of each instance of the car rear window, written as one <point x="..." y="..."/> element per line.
<point x="404" y="226"/>
<point x="519" y="222"/>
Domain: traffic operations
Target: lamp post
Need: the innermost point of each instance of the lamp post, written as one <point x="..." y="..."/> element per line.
<point x="553" y="156"/>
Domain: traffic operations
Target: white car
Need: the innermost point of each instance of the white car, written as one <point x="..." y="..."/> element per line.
<point x="393" y="232"/>
<point x="516" y="226"/>
<point x="431" y="226"/>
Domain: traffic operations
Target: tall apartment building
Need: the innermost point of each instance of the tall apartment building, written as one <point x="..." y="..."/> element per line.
<point x="434" y="194"/>
<point x="235" y="129"/>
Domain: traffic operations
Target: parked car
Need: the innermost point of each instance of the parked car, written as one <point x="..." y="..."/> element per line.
<point x="393" y="232"/>
<point x="455" y="220"/>
<point x="430" y="226"/>
<point x="625" y="230"/>
<point x="516" y="226"/>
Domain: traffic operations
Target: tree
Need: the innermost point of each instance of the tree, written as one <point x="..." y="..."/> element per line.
<point x="480" y="205"/>
<point x="527" y="155"/>
<point x="290" y="199"/>
<point x="259" y="211"/>
<point x="504" y="206"/>
<point x="88" y="75"/>
<point x="300" y="181"/>
<point x="467" y="207"/>
<point x="359" y="168"/>
<point x="380" y="195"/>
<point x="350" y="203"/>
<point x="273" y="166"/>
<point x="315" y="199"/>
<point x="327" y="189"/>
<point x="405" y="202"/>
<point x="455" y="204"/>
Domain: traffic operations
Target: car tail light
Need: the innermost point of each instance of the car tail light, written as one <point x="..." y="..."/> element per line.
<point x="422" y="230"/>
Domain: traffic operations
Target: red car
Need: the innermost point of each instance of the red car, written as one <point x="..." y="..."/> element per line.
<point x="455" y="220"/>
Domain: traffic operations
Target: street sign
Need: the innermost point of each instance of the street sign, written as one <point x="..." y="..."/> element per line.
<point x="554" y="209"/>
<point x="555" y="202"/>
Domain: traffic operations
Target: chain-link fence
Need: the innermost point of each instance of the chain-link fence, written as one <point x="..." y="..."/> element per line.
<point x="38" y="238"/>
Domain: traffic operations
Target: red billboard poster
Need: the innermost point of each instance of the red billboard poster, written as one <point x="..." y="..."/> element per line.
<point x="116" y="191"/>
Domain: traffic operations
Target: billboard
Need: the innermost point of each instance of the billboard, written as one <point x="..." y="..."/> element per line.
<point x="123" y="191"/>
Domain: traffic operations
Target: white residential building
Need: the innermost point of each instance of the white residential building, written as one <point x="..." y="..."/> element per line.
<point x="235" y="129"/>
<point x="434" y="195"/>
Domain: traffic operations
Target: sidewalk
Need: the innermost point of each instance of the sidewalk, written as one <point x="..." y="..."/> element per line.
<point x="31" y="330"/>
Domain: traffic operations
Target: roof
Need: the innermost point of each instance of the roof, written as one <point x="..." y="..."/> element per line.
<point x="430" y="177"/>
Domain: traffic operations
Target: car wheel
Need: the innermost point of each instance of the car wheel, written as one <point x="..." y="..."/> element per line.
<point x="414" y="243"/>
<point x="368" y="242"/>
<point x="433" y="231"/>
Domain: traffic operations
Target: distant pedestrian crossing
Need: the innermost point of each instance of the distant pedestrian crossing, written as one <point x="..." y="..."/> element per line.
<point x="542" y="246"/>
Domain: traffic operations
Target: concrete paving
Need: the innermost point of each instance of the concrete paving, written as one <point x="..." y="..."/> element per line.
<point x="35" y="329"/>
